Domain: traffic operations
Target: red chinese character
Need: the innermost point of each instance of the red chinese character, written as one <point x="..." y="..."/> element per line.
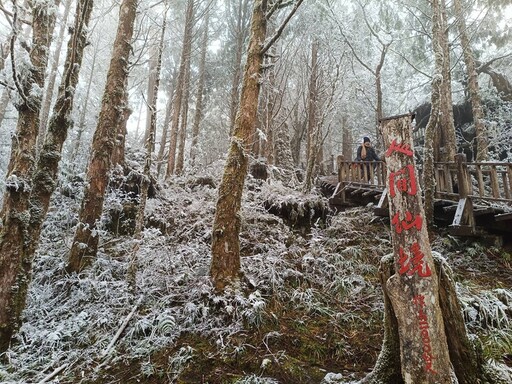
<point x="404" y="180"/>
<point x="414" y="264"/>
<point x="402" y="148"/>
<point x="408" y="223"/>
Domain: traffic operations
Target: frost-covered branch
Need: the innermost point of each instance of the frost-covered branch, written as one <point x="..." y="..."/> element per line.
<point x="279" y="31"/>
<point x="13" y="62"/>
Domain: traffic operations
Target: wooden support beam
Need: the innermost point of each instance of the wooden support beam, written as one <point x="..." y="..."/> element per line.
<point x="503" y="217"/>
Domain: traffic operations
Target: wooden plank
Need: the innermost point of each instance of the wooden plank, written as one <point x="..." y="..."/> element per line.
<point x="505" y="185"/>
<point x="447" y="178"/>
<point x="503" y="217"/>
<point x="459" y="213"/>
<point x="383" y="201"/>
<point x="509" y="174"/>
<point x="494" y="183"/>
<point x="464" y="215"/>
<point x="439" y="182"/>
<point x="480" y="179"/>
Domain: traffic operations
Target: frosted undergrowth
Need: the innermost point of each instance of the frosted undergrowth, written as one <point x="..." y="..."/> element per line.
<point x="70" y="321"/>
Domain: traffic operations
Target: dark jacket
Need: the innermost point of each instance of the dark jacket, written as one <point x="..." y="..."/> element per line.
<point x="371" y="155"/>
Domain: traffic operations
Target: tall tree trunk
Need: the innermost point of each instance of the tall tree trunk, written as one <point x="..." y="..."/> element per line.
<point x="311" y="148"/>
<point x="299" y="130"/>
<point x="149" y="147"/>
<point x="118" y="156"/>
<point x="434" y="122"/>
<point x="268" y="104"/>
<point x="198" y="116"/>
<point x="45" y="177"/>
<point x="153" y="63"/>
<point x="474" y="92"/>
<point x="15" y="214"/>
<point x="178" y="100"/>
<point x="5" y="50"/>
<point x="85" y="242"/>
<point x="239" y="31"/>
<point x="446" y="129"/>
<point x="83" y="113"/>
<point x="48" y="96"/>
<point x="347" y="150"/>
<point x="4" y="102"/>
<point x="225" y="266"/>
<point x="165" y="128"/>
<point x="182" y="134"/>
<point x="283" y="156"/>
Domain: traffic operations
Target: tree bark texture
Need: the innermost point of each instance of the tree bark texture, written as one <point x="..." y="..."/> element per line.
<point x="182" y="133"/>
<point x="434" y="122"/>
<point x="387" y="369"/>
<point x="446" y="129"/>
<point x="413" y="289"/>
<point x="238" y="27"/>
<point x="85" y="242"/>
<point x="149" y="147"/>
<point x="474" y="91"/>
<point x="165" y="128"/>
<point x="83" y="112"/>
<point x="15" y="215"/>
<point x="45" y="177"/>
<point x="468" y="364"/>
<point x="198" y="116"/>
<point x="225" y="265"/>
<point x="178" y="99"/>
<point x="313" y="125"/>
<point x="52" y="78"/>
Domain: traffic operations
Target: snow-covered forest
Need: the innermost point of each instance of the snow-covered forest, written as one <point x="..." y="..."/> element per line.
<point x="162" y="219"/>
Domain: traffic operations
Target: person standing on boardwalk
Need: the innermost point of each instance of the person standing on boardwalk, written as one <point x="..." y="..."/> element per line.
<point x="366" y="153"/>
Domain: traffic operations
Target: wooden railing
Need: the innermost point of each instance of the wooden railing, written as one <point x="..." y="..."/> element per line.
<point x="365" y="174"/>
<point x="488" y="181"/>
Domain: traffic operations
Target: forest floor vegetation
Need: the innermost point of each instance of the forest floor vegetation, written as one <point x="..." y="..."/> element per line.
<point x="309" y="309"/>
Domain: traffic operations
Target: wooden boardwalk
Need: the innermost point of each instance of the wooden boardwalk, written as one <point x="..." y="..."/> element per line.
<point x="470" y="197"/>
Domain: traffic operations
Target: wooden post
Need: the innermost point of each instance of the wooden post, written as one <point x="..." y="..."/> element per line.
<point x="413" y="288"/>
<point x="343" y="171"/>
<point x="339" y="164"/>
<point x="509" y="173"/>
<point x="463" y="221"/>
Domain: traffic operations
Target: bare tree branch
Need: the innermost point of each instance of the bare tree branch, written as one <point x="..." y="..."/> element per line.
<point x="13" y="62"/>
<point x="281" y="28"/>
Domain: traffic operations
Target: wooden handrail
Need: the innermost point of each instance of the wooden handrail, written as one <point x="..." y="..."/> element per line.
<point x="458" y="179"/>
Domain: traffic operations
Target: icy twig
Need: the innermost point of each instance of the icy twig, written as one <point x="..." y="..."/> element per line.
<point x="107" y="351"/>
<point x="54" y="373"/>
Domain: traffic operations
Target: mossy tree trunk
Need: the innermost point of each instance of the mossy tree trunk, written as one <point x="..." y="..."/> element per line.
<point x="238" y="14"/>
<point x="225" y="266"/>
<point x="179" y="92"/>
<point x="434" y="122"/>
<point x="149" y="134"/>
<point x="313" y="123"/>
<point x="199" y="113"/>
<point x="46" y="174"/>
<point x="15" y="213"/>
<point x="52" y="77"/>
<point x="474" y="91"/>
<point x="85" y="242"/>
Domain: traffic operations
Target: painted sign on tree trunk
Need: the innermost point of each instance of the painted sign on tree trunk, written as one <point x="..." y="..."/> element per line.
<point x="413" y="289"/>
